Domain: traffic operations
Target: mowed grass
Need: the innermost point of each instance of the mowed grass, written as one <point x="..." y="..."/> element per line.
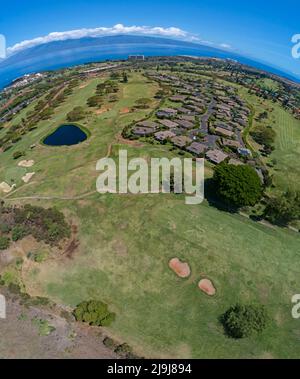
<point x="126" y="244"/>
<point x="287" y="150"/>
<point x="286" y="172"/>
<point x="127" y="241"/>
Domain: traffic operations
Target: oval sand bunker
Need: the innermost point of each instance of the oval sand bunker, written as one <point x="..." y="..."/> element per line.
<point x="28" y="163"/>
<point x="181" y="269"/>
<point x="207" y="287"/>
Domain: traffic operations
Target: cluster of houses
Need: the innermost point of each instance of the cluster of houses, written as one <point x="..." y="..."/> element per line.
<point x="206" y="119"/>
<point x="25" y="80"/>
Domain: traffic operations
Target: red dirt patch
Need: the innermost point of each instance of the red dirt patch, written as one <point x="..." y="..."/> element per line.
<point x="73" y="244"/>
<point x="207" y="287"/>
<point x="102" y="110"/>
<point x="125" y="111"/>
<point x="181" y="269"/>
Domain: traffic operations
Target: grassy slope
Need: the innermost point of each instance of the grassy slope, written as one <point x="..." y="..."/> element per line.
<point x="126" y="243"/>
<point x="287" y="144"/>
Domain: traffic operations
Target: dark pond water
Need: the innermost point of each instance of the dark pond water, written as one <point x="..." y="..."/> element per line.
<point x="66" y="135"/>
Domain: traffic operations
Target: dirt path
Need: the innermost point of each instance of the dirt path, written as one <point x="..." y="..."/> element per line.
<point x="38" y="197"/>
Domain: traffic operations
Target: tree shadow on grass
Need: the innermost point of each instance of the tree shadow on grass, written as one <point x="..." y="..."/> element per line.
<point x="214" y="200"/>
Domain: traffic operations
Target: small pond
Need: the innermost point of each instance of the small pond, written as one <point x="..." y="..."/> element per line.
<point x="66" y="135"/>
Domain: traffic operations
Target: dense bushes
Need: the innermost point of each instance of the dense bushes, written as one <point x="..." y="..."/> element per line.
<point x="264" y="135"/>
<point x="283" y="209"/>
<point x="94" y="313"/>
<point x="95" y="101"/>
<point x="18" y="154"/>
<point x="76" y="114"/>
<point x="19" y="232"/>
<point x="237" y="186"/>
<point x="4" y="243"/>
<point x="48" y="225"/>
<point x="242" y="321"/>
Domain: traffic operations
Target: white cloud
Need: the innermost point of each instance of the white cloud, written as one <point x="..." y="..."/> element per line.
<point x="225" y="46"/>
<point x="171" y="32"/>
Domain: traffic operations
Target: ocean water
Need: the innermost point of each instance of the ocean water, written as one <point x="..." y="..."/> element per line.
<point x="10" y="69"/>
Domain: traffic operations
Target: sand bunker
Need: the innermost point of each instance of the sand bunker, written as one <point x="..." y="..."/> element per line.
<point x="27" y="177"/>
<point x="207" y="287"/>
<point x="4" y="187"/>
<point x="181" y="269"/>
<point x="29" y="163"/>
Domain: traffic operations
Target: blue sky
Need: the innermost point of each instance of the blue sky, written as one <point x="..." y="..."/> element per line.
<point x="258" y="29"/>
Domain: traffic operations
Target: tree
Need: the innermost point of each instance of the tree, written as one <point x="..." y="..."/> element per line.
<point x="94" y="313"/>
<point x="18" y="154"/>
<point x="125" y="77"/>
<point x="115" y="75"/>
<point x="76" y="114"/>
<point x="237" y="186"/>
<point x="4" y="243"/>
<point x="143" y="103"/>
<point x="19" y="232"/>
<point x="283" y="209"/>
<point x="94" y="101"/>
<point x="264" y="135"/>
<point x="242" y="321"/>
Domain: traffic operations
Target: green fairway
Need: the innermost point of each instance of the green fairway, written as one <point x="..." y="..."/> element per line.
<point x="285" y="158"/>
<point x="126" y="244"/>
<point x="127" y="241"/>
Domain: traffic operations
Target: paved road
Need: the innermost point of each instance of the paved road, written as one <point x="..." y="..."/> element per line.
<point x="205" y="118"/>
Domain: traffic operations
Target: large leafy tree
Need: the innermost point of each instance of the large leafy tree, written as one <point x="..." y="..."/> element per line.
<point x="237" y="186"/>
<point x="283" y="209"/>
<point x="94" y="313"/>
<point x="242" y="321"/>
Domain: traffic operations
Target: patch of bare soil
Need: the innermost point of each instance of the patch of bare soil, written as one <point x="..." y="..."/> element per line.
<point x="73" y="244"/>
<point x="20" y="337"/>
<point x="102" y="110"/>
<point x="181" y="269"/>
<point x="207" y="287"/>
<point x="125" y="111"/>
<point x="120" y="248"/>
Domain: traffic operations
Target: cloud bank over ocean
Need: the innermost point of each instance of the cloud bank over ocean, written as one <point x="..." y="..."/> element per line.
<point x="171" y="32"/>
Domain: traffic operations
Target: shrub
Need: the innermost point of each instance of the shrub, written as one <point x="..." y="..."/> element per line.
<point x="94" y="313"/>
<point x="283" y="209"/>
<point x="124" y="350"/>
<point x="19" y="232"/>
<point x="48" y="225"/>
<point x="4" y="243"/>
<point x="264" y="135"/>
<point x="110" y="343"/>
<point x="5" y="228"/>
<point x="238" y="186"/>
<point x="143" y="103"/>
<point x="18" y="154"/>
<point x="76" y="114"/>
<point x="38" y="257"/>
<point x="95" y="101"/>
<point x="242" y="321"/>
